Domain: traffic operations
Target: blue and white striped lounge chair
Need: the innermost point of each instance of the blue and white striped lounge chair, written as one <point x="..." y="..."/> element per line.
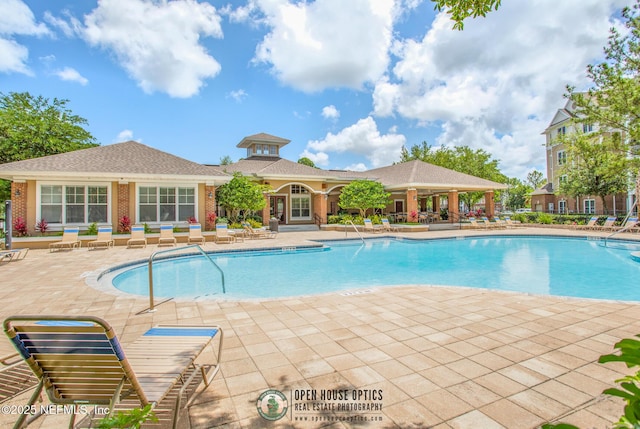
<point x="69" y="240"/>
<point x="195" y="234"/>
<point x="137" y="236"/>
<point x="79" y="361"/>
<point x="166" y="236"/>
<point x="103" y="238"/>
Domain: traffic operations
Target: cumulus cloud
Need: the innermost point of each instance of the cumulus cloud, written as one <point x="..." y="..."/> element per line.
<point x="361" y="138"/>
<point x="330" y="112"/>
<point x="17" y="19"/>
<point x="157" y="43"/>
<point x="332" y="43"/>
<point x="124" y="136"/>
<point x="71" y="75"/>
<point x="238" y="95"/>
<point x="319" y="158"/>
<point x="496" y="84"/>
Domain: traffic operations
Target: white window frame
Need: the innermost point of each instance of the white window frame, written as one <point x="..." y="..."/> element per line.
<point x="561" y="157"/>
<point x="176" y="203"/>
<point x="299" y="199"/>
<point x="63" y="203"/>
<point x="591" y="202"/>
<point x="562" y="206"/>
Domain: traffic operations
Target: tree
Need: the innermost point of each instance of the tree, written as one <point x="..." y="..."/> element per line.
<point x="241" y="196"/>
<point x="535" y="179"/>
<point x="517" y="194"/>
<point x="613" y="102"/>
<point x="462" y="9"/>
<point x="594" y="166"/>
<point x="32" y="127"/>
<point x="459" y="158"/>
<point x="364" y="195"/>
<point x="226" y="160"/>
<point x="306" y="161"/>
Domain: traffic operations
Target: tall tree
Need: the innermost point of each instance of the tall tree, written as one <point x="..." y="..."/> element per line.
<point x="613" y="102"/>
<point x="226" y="160"/>
<point x="594" y="166"/>
<point x="535" y="179"/>
<point x="31" y="127"/>
<point x="477" y="163"/>
<point x="364" y="195"/>
<point x="517" y="194"/>
<point x="306" y="161"/>
<point x="241" y="197"/>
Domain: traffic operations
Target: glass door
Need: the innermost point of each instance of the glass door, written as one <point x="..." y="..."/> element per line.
<point x="277" y="208"/>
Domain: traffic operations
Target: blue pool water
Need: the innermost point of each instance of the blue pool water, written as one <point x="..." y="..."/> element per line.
<point x="539" y="265"/>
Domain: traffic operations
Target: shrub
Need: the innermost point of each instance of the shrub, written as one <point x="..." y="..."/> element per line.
<point x="42" y="226"/>
<point x="545" y="218"/>
<point x="93" y="229"/>
<point x="211" y="221"/>
<point x="124" y="224"/>
<point x="19" y="227"/>
<point x="147" y="229"/>
<point x="192" y="219"/>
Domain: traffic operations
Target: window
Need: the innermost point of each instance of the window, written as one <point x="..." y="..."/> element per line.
<point x="166" y="203"/>
<point x="587" y="128"/>
<point x="561" y="131"/>
<point x="562" y="157"/>
<point x="562" y="179"/>
<point x="562" y="206"/>
<point x="273" y="150"/>
<point x="300" y="202"/>
<point x="73" y="204"/>
<point x="589" y="206"/>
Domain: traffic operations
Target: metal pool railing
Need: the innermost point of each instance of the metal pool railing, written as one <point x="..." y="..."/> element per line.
<point x="150" y="263"/>
<point x="356" y="230"/>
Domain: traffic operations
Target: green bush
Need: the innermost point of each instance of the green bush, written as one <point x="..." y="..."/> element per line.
<point x="93" y="229"/>
<point x="545" y="218"/>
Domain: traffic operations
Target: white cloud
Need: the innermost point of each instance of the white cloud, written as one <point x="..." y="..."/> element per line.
<point x="124" y="136"/>
<point x="330" y="43"/>
<point x="17" y="19"/>
<point x="319" y="158"/>
<point x="157" y="43"/>
<point x="238" y="95"/>
<point x="330" y="112"/>
<point x="72" y="75"/>
<point x="356" y="167"/>
<point x="496" y="84"/>
<point x="364" y="139"/>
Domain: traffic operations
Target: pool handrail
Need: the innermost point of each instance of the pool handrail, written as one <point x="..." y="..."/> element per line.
<point x="150" y="264"/>
<point x="356" y="229"/>
<point x="624" y="221"/>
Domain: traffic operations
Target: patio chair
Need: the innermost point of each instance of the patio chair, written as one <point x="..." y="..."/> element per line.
<point x="222" y="234"/>
<point x="103" y="238"/>
<point x="137" y="237"/>
<point x="257" y="233"/>
<point x="474" y="223"/>
<point x="629" y="225"/>
<point x="69" y="240"/>
<point x="488" y="224"/>
<point x="195" y="234"/>
<point x="608" y="224"/>
<point x="370" y="227"/>
<point x="13" y="254"/>
<point x="79" y="361"/>
<point x="15" y="377"/>
<point x="590" y="224"/>
<point x="386" y="226"/>
<point x="166" y="236"/>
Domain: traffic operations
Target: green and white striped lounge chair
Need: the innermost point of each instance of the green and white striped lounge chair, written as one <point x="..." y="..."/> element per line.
<point x="79" y="361"/>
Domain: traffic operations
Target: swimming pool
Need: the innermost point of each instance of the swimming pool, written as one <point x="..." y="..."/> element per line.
<point x="540" y="265"/>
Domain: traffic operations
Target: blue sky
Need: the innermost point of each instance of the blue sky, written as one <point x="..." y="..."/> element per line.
<point x="349" y="83"/>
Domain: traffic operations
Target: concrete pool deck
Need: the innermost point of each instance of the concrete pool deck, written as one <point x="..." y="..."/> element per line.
<point x="442" y="357"/>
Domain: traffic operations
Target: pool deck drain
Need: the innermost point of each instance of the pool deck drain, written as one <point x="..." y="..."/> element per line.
<point x="444" y="357"/>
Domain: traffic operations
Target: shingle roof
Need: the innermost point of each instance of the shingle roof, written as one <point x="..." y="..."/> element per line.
<point x="262" y="137"/>
<point x="421" y="174"/>
<point x="265" y="166"/>
<point x="128" y="158"/>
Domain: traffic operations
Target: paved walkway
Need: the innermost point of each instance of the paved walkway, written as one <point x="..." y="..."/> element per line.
<point x="442" y="357"/>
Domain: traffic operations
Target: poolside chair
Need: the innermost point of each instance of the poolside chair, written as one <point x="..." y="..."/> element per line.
<point x="166" y="236"/>
<point x="103" y="238"/>
<point x="590" y="224"/>
<point x="629" y="225"/>
<point x="222" y="234"/>
<point x="608" y="224"/>
<point x="79" y="361"/>
<point x="195" y="234"/>
<point x="69" y="240"/>
<point x="13" y="254"/>
<point x="15" y="377"/>
<point x="474" y="223"/>
<point x="370" y="227"/>
<point x="489" y="224"/>
<point x="386" y="226"/>
<point x="257" y="233"/>
<point x="137" y="237"/>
